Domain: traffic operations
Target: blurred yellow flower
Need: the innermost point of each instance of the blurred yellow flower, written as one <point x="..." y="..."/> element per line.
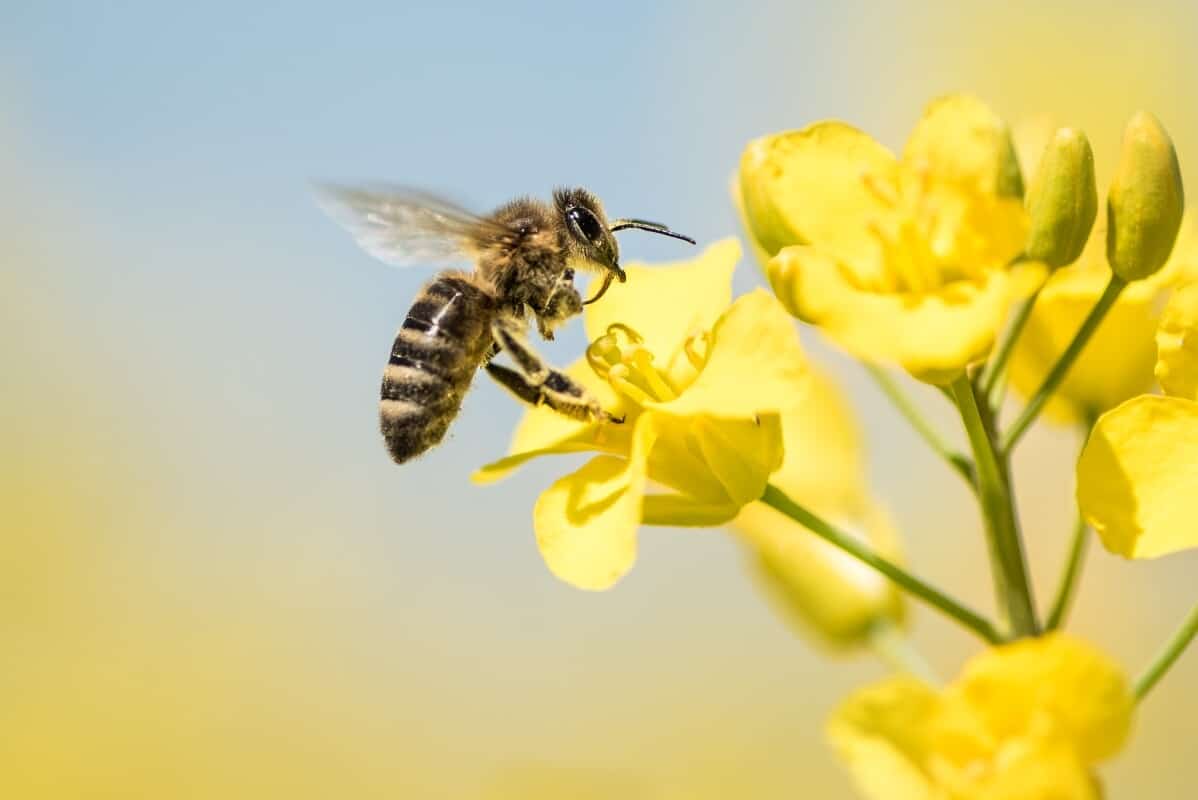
<point x="824" y="591"/>
<point x="898" y="260"/>
<point x="1023" y="721"/>
<point x="702" y="382"/>
<point x="1137" y="473"/>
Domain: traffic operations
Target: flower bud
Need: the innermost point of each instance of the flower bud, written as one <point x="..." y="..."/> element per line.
<point x="1146" y="201"/>
<point x="1062" y="201"/>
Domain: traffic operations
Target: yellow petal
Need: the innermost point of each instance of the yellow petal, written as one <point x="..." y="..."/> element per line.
<point x="932" y="335"/>
<point x="1034" y="768"/>
<point x="812" y="185"/>
<point x="1182" y="266"/>
<point x="715" y="462"/>
<point x="1056" y="680"/>
<point x="678" y="510"/>
<point x="824" y="462"/>
<point x="881" y="732"/>
<point x="667" y="303"/>
<point x="740" y="453"/>
<point x="755" y="363"/>
<point x="1136" y="477"/>
<point x="586" y="522"/>
<point x="760" y="254"/>
<point x="820" y="588"/>
<point x="960" y="140"/>
<point x="1177" y="344"/>
<point x="1117" y="362"/>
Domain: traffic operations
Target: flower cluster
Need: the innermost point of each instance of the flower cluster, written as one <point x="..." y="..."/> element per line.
<point x="941" y="263"/>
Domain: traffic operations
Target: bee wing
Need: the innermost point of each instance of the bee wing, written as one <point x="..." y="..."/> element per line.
<point x="402" y="226"/>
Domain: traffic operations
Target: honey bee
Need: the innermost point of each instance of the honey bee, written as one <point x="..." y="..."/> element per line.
<point x="525" y="255"/>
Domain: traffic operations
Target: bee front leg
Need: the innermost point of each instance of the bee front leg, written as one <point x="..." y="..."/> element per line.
<point x="537" y="383"/>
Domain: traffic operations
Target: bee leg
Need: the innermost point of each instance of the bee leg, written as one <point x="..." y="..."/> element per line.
<point x="535" y="382"/>
<point x="509" y="335"/>
<point x="558" y="392"/>
<point x="494" y="351"/>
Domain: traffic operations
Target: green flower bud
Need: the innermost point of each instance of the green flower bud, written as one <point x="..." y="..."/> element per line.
<point x="1063" y="200"/>
<point x="1146" y="201"/>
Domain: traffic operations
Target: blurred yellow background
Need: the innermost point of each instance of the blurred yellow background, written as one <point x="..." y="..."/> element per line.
<point x="213" y="583"/>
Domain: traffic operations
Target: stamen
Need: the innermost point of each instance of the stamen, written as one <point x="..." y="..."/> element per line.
<point x="618" y="377"/>
<point x="600" y="354"/>
<point x="619" y="327"/>
<point x="643" y="360"/>
<point x="698" y="360"/>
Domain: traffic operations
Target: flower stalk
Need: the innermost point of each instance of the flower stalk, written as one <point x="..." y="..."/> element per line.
<point x="775" y="498"/>
<point x="1011" y="585"/>
<point x="1067" y="588"/>
<point x="1168" y="655"/>
<point x="958" y="461"/>
<point x="1059" y="370"/>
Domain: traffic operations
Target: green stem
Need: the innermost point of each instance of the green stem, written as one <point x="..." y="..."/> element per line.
<point x="1061" y="368"/>
<point x="993" y="372"/>
<point x="1073" y="563"/>
<point x="775" y="498"/>
<point x="894" y="648"/>
<point x="1169" y="653"/>
<point x="958" y="461"/>
<point x="1011" y="585"/>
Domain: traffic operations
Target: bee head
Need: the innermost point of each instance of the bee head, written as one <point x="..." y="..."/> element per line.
<point x="590" y="239"/>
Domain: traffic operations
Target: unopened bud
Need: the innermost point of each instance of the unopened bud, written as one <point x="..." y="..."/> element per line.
<point x="1146" y="201"/>
<point x="1063" y="200"/>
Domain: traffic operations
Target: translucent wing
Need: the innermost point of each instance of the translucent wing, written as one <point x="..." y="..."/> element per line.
<point x="403" y="227"/>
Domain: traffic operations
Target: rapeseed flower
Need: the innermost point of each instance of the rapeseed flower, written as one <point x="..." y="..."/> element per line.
<point x="701" y="381"/>
<point x="1023" y="721"/>
<point x="904" y="260"/>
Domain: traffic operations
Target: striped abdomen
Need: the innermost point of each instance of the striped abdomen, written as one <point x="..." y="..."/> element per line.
<point x="436" y="353"/>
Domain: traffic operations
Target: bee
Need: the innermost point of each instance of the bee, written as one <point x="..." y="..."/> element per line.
<point x="525" y="256"/>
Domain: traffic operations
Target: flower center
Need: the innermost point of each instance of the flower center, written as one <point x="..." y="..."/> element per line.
<point x="621" y="358"/>
<point x="909" y="233"/>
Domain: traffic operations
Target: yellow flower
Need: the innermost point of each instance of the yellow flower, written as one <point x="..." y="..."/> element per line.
<point x="897" y="260"/>
<point x="1023" y="721"/>
<point x="702" y="382"/>
<point x="819" y="588"/>
<point x="1137" y="473"/>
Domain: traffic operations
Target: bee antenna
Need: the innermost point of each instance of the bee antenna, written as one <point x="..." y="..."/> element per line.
<point x="646" y="225"/>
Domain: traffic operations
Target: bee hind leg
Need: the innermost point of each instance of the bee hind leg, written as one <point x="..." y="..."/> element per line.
<point x="536" y="383"/>
<point x="558" y="392"/>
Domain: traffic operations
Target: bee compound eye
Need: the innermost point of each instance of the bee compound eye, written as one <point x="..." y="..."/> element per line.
<point x="585" y="223"/>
